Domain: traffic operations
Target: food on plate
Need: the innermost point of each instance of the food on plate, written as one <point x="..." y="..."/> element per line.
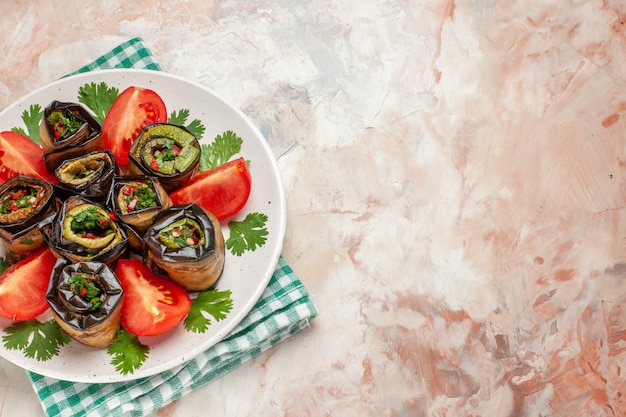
<point x="136" y="200"/>
<point x="20" y="155"/>
<point x="24" y="202"/>
<point x="222" y="191"/>
<point x="133" y="109"/>
<point x="153" y="304"/>
<point x="67" y="130"/>
<point x="83" y="230"/>
<point x="89" y="175"/>
<point x="169" y="152"/>
<point x="185" y="243"/>
<point x="86" y="301"/>
<point x="111" y="191"/>
<point x="23" y="286"/>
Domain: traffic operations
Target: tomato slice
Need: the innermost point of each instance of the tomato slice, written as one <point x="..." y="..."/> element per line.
<point x="20" y="155"/>
<point x="23" y="286"/>
<point x="223" y="190"/>
<point x="153" y="304"/>
<point x="131" y="111"/>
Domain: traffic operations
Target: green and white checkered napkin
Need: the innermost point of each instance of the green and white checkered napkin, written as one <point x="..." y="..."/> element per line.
<point x="283" y="309"/>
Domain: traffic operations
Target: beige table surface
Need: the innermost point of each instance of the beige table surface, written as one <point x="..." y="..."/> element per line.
<point x="455" y="179"/>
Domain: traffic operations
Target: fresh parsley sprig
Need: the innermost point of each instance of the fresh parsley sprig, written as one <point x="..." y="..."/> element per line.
<point x="180" y="117"/>
<point x="207" y="304"/>
<point x="37" y="340"/>
<point x="98" y="98"/>
<point x="224" y="147"/>
<point x="31" y="118"/>
<point x="127" y="352"/>
<point x="248" y="234"/>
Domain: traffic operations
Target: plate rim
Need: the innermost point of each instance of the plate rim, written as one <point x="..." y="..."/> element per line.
<point x="34" y="366"/>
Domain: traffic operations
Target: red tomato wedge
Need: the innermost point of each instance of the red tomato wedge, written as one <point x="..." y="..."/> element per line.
<point x="223" y="190"/>
<point x="153" y="304"/>
<point x="20" y="155"/>
<point x="23" y="286"/>
<point x="131" y="111"/>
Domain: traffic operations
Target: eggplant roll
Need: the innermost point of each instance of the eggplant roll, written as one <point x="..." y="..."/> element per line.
<point x="169" y="152"/>
<point x="83" y="230"/>
<point x="67" y="130"/>
<point x="89" y="176"/>
<point x="24" y="202"/>
<point x="185" y="242"/>
<point x="86" y="301"/>
<point x="136" y="200"/>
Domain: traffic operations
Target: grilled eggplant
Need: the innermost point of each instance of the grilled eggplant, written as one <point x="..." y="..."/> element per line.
<point x="185" y="243"/>
<point x="86" y="300"/>
<point x="169" y="152"/>
<point x="24" y="202"/>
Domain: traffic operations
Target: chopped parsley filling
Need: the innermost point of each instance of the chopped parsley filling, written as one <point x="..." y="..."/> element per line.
<point x="84" y="285"/>
<point x="90" y="223"/>
<point x="138" y="198"/>
<point x="19" y="199"/>
<point x="181" y="234"/>
<point x="63" y="125"/>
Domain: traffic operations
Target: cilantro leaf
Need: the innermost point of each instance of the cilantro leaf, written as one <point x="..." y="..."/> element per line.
<point x="32" y="118"/>
<point x="196" y="128"/>
<point x="220" y="150"/>
<point x="98" y="97"/>
<point x="215" y="303"/>
<point x="180" y="119"/>
<point x="248" y="234"/>
<point x="4" y="264"/>
<point x="37" y="340"/>
<point x="128" y="352"/>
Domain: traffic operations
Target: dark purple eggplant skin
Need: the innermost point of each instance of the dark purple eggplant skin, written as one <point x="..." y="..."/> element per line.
<point x="140" y="220"/>
<point x="87" y="139"/>
<point x="97" y="187"/>
<point x="52" y="230"/>
<point x="172" y="215"/>
<point x="194" y="268"/>
<point x="22" y="237"/>
<point x="73" y="309"/>
<point x="48" y="205"/>
<point x="170" y="182"/>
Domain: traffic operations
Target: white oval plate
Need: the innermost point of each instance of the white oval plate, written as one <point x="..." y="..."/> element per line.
<point x="246" y="276"/>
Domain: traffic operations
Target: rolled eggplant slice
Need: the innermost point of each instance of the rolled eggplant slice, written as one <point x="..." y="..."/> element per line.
<point x="136" y="200"/>
<point x="166" y="151"/>
<point x="24" y="202"/>
<point x="84" y="231"/>
<point x="186" y="243"/>
<point x="67" y="130"/>
<point x="89" y="176"/>
<point x="86" y="301"/>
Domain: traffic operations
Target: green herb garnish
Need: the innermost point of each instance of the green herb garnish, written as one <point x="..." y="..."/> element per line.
<point x="63" y="125"/>
<point x="91" y="222"/>
<point x="180" y="119"/>
<point x="19" y="199"/>
<point x="220" y="150"/>
<point x="98" y="98"/>
<point x="31" y="118"/>
<point x="248" y="234"/>
<point x="128" y="353"/>
<point x="138" y="198"/>
<point x="40" y="341"/>
<point x="84" y="285"/>
<point x="207" y="304"/>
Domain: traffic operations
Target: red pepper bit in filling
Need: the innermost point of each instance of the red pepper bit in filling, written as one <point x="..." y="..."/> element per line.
<point x="17" y="200"/>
